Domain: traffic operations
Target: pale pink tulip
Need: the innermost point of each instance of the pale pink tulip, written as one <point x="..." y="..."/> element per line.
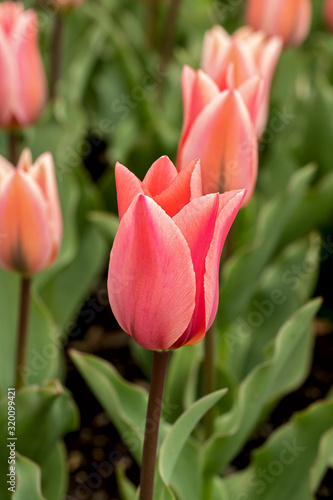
<point x="328" y="13"/>
<point x="30" y="214"/>
<point x="163" y="271"/>
<point x="289" y="19"/>
<point x="218" y="130"/>
<point x="238" y="61"/>
<point x="22" y="82"/>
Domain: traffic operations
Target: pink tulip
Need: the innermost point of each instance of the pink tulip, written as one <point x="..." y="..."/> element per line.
<point x="218" y="129"/>
<point x="238" y="61"/>
<point x="328" y="13"/>
<point x="289" y="19"/>
<point x="163" y="272"/>
<point x="22" y="82"/>
<point x="30" y="214"/>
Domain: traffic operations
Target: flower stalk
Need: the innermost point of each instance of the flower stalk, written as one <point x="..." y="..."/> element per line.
<point x="22" y="334"/>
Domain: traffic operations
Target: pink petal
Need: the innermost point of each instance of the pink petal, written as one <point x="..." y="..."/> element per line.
<point x="128" y="186"/>
<point x="252" y="92"/>
<point x="44" y="175"/>
<point x="26" y="242"/>
<point x="8" y="80"/>
<point x="243" y="63"/>
<point x="6" y="168"/>
<point x="215" y="47"/>
<point x="32" y="90"/>
<point x="151" y="279"/>
<point x="159" y="176"/>
<point x="224" y="139"/>
<point x="186" y="186"/>
<point x="229" y="204"/>
<point x="198" y="218"/>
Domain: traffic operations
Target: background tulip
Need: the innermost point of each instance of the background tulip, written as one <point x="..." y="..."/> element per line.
<point x="289" y="19"/>
<point x="30" y="215"/>
<point x="163" y="274"/>
<point x="218" y="130"/>
<point x="237" y="61"/>
<point x="23" y="91"/>
<point x="328" y="13"/>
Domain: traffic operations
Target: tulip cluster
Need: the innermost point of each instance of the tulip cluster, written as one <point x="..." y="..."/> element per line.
<point x="23" y="90"/>
<point x="30" y="215"/>
<point x="163" y="272"/>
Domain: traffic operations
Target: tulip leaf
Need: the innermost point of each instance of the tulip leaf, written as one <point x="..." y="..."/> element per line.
<point x="281" y="467"/>
<point x="126" y="488"/>
<point x="54" y="473"/>
<point x="181" y="430"/>
<point x="323" y="461"/>
<point x="241" y="272"/>
<point x="28" y="480"/>
<point x="264" y="383"/>
<point x="106" y="222"/>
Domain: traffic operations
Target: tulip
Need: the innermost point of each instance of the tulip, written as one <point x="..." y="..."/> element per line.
<point x="30" y="214"/>
<point x="328" y="13"/>
<point x="23" y="90"/>
<point x="289" y="19"/>
<point x="238" y="61"/>
<point x="218" y="129"/>
<point x="164" y="263"/>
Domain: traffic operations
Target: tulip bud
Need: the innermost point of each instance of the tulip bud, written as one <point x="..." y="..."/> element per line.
<point x="23" y="90"/>
<point x="328" y="14"/>
<point x="218" y="130"/>
<point x="30" y="214"/>
<point x="164" y="263"/>
<point x="289" y="19"/>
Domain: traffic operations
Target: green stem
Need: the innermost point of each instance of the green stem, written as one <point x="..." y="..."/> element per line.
<point x="160" y="363"/>
<point x="13" y="146"/>
<point x="153" y="10"/>
<point x="209" y="376"/>
<point x="22" y="334"/>
<point x="56" y="54"/>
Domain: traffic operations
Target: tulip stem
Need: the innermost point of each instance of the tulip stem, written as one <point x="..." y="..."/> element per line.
<point x="160" y="363"/>
<point x="56" y="54"/>
<point x="22" y="334"/>
<point x="13" y="146"/>
<point x="169" y="32"/>
<point x="209" y="376"/>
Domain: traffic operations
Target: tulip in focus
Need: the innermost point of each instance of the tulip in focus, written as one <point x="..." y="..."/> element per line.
<point x="246" y="61"/>
<point x="164" y="263"/>
<point x="289" y="19"/>
<point x="22" y="82"/>
<point x="218" y="129"/>
<point x="30" y="214"/>
<point x="328" y="13"/>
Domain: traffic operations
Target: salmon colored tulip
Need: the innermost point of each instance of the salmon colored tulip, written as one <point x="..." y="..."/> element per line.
<point x="328" y="14"/>
<point x="238" y="61"/>
<point x="218" y="129"/>
<point x="30" y="214"/>
<point x="164" y="263"/>
<point x="22" y="82"/>
<point x="289" y="19"/>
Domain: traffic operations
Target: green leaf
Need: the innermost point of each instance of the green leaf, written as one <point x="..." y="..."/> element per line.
<point x="28" y="480"/>
<point x="54" y="473"/>
<point x="126" y="488"/>
<point x="281" y="468"/>
<point x="181" y="430"/>
<point x="106" y="223"/>
<point x="323" y="461"/>
<point x="261" y="386"/>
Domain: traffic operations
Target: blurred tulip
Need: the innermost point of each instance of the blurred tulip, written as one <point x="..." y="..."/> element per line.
<point x="164" y="263"/>
<point x="246" y="60"/>
<point x="328" y="13"/>
<point x="30" y="214"/>
<point x="289" y="19"/>
<point x="23" y="90"/>
<point x="217" y="129"/>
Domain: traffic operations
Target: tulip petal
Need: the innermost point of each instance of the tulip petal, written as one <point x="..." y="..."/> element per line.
<point x="8" y="81"/>
<point x="215" y="47"/>
<point x="151" y="279"/>
<point x="186" y="186"/>
<point x="198" y="218"/>
<point x="252" y="92"/>
<point x="159" y="176"/>
<point x="229" y="204"/>
<point x="32" y="89"/>
<point x="43" y="173"/>
<point x="26" y="242"/>
<point x="224" y="139"/>
<point x="5" y="168"/>
<point x="128" y="186"/>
